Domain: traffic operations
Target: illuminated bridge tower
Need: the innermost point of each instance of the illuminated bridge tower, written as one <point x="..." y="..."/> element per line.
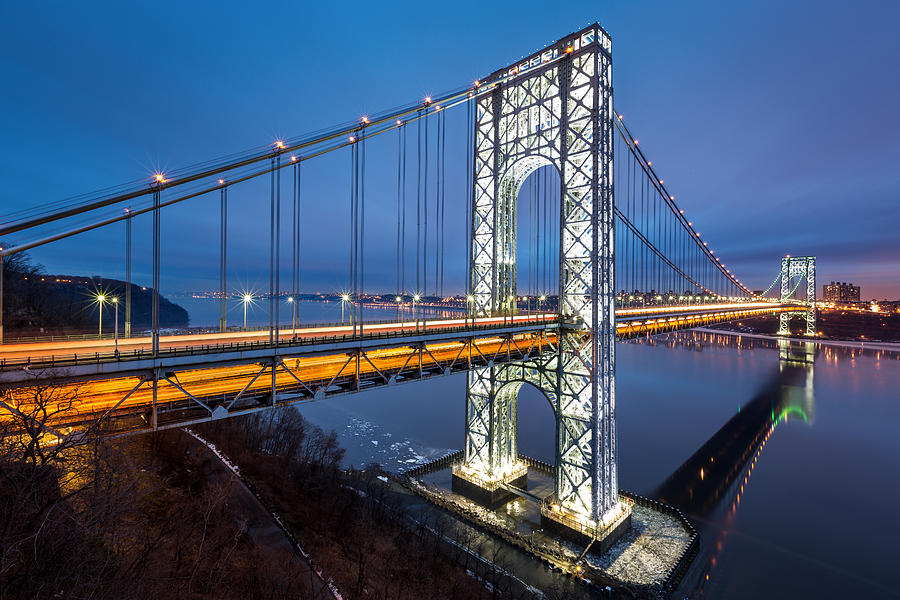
<point x="801" y="267"/>
<point x="553" y="108"/>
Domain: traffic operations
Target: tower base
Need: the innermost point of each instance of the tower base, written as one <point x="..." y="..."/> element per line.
<point x="491" y="492"/>
<point x="582" y="531"/>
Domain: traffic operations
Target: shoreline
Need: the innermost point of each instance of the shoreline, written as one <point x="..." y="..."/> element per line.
<point x="883" y="346"/>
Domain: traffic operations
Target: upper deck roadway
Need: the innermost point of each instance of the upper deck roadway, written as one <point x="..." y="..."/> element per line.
<point x="211" y="375"/>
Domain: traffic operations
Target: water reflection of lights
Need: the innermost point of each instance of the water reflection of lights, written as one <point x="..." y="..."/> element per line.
<point x="704" y="484"/>
<point x="515" y="508"/>
<point x="785" y="414"/>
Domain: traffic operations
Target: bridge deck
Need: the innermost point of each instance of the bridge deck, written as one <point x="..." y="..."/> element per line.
<point x="629" y="322"/>
<point x="213" y="375"/>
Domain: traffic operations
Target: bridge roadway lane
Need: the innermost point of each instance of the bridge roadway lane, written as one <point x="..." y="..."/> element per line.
<point x="41" y="350"/>
<point x="629" y="321"/>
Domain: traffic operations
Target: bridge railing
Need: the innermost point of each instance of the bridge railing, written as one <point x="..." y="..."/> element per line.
<point x="184" y="331"/>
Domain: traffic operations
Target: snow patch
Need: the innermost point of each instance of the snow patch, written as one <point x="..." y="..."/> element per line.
<point x="233" y="467"/>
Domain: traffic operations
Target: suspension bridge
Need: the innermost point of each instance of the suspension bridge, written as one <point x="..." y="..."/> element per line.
<point x="573" y="241"/>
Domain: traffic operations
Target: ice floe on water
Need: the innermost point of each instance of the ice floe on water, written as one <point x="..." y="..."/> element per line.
<point x="367" y="442"/>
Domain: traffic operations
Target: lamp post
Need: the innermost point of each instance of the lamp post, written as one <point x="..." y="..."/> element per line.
<point x="100" y="300"/>
<point x="247" y="299"/>
<point x="399" y="301"/>
<point x="293" y="313"/>
<point x="344" y="299"/>
<point x="470" y="307"/>
<point x="415" y="311"/>
<point x="115" y="301"/>
<point x="541" y="300"/>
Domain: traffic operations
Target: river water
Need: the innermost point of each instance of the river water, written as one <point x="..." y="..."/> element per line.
<point x="809" y="510"/>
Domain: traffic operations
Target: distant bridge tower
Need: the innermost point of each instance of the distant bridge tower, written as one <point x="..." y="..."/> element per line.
<point x="802" y="267"/>
<point x="553" y="108"/>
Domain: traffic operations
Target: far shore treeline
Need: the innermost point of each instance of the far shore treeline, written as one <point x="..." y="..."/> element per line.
<point x="36" y="303"/>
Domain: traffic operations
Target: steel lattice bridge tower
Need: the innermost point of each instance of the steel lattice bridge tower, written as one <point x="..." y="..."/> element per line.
<point x="560" y="113"/>
<point x="801" y="267"/>
<point x="621" y="260"/>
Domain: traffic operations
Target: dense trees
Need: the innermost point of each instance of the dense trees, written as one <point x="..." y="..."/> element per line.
<point x="160" y="516"/>
<point x="142" y="517"/>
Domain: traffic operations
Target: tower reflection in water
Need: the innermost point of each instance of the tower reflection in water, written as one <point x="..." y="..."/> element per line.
<point x="709" y="485"/>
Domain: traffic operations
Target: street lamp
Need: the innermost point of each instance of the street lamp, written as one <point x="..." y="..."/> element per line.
<point x="100" y="300"/>
<point x="399" y="301"/>
<point x="115" y="301"/>
<point x="247" y="299"/>
<point x="344" y="298"/>
<point x="416" y="312"/>
<point x="293" y="312"/>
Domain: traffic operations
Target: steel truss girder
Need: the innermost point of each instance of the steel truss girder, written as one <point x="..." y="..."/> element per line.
<point x="803" y="267"/>
<point x="560" y="114"/>
<point x="358" y="370"/>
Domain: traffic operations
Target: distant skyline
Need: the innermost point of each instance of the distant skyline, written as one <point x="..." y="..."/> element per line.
<point x="773" y="123"/>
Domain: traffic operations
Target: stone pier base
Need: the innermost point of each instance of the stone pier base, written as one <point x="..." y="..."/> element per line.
<point x="603" y="535"/>
<point x="489" y="493"/>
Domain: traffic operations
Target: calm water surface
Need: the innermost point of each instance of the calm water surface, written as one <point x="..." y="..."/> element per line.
<point x="204" y="312"/>
<point x="816" y="517"/>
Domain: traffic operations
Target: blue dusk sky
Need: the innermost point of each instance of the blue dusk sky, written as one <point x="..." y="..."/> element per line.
<point x="774" y="123"/>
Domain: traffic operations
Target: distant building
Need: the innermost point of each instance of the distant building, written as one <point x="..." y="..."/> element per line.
<point x="841" y="292"/>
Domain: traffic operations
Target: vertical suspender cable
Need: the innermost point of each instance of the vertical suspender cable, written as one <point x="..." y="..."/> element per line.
<point x="536" y="225"/>
<point x="223" y="245"/>
<point x="295" y="289"/>
<point x="425" y="201"/>
<point x="399" y="202"/>
<point x="127" y="277"/>
<point x="362" y="224"/>
<point x="299" y="240"/>
<point x="657" y="217"/>
<point x="275" y="300"/>
<point x="437" y="200"/>
<point x="352" y="244"/>
<point x="418" y="203"/>
<point x="468" y="225"/>
<point x="633" y="201"/>
<point x="645" y="229"/>
<point x="294" y="216"/>
<point x="403" y="212"/>
<point x="272" y="254"/>
<point x="531" y="239"/>
<point x="443" y="193"/>
<point x="545" y="280"/>
<point x="154" y="305"/>
<point x="541" y="238"/>
<point x="618" y="190"/>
